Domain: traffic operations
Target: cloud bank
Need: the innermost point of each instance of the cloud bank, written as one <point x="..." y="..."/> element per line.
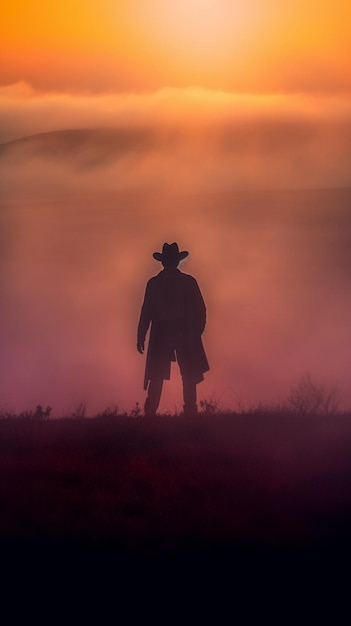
<point x="185" y="137"/>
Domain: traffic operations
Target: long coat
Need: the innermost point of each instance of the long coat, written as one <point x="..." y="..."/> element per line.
<point x="175" y="308"/>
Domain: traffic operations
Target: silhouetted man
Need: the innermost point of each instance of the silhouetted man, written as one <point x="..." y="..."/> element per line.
<point x="174" y="307"/>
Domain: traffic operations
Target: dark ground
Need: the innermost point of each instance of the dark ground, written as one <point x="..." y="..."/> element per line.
<point x="233" y="502"/>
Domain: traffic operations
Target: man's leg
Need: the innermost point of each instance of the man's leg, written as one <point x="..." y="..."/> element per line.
<point x="189" y="395"/>
<point x="153" y="396"/>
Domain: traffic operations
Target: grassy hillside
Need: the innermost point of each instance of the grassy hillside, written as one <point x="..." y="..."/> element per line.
<point x="250" y="508"/>
<point x="154" y="486"/>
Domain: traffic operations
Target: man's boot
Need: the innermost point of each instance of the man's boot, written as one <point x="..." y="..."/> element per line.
<point x="190" y="409"/>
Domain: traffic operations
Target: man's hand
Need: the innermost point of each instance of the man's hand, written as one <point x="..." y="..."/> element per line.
<point x="140" y="347"/>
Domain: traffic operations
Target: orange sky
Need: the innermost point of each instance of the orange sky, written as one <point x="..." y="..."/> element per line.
<point x="132" y="45"/>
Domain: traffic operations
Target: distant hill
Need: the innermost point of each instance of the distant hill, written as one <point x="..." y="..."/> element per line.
<point x="108" y="144"/>
<point x="240" y="155"/>
<point x="95" y="145"/>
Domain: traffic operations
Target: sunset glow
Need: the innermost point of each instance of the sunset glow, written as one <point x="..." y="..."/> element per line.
<point x="203" y="35"/>
<point x="252" y="46"/>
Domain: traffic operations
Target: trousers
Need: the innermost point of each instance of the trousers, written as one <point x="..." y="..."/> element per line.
<point x="154" y="395"/>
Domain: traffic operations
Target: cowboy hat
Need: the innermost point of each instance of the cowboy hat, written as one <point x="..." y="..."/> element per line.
<point x="170" y="253"/>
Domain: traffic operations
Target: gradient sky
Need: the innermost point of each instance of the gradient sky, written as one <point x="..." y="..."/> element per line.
<point x="131" y="45"/>
<point x="226" y="125"/>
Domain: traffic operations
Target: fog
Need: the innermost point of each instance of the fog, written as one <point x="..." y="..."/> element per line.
<point x="257" y="191"/>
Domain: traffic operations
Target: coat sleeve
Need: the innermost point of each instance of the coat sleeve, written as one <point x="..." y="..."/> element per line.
<point x="202" y="310"/>
<point x="198" y="308"/>
<point x="145" y="315"/>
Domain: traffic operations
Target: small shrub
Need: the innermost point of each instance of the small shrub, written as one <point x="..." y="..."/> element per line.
<point x="310" y="398"/>
<point x="210" y="406"/>
<point x="136" y="411"/>
<point x="40" y="413"/>
<point x="80" y="411"/>
<point x="110" y="411"/>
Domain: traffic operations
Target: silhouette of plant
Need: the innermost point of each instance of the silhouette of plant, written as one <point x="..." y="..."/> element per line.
<point x="136" y="412"/>
<point x="40" y="413"/>
<point x="80" y="411"/>
<point x="6" y="413"/>
<point x="209" y="406"/>
<point x="110" y="411"/>
<point x="310" y="398"/>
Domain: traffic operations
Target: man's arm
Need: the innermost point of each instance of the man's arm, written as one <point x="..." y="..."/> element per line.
<point x="144" y="320"/>
<point x="198" y="313"/>
<point x="201" y="309"/>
